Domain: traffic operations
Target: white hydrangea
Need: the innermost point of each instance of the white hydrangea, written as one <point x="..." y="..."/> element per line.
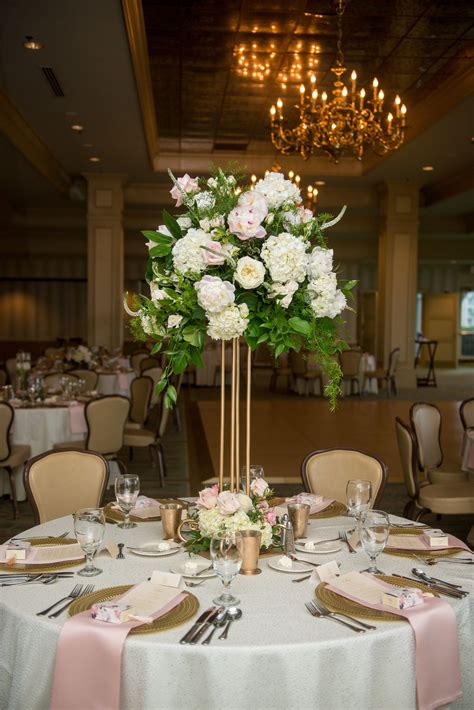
<point x="184" y="222"/>
<point x="326" y="300"/>
<point x="296" y="217"/>
<point x="211" y="522"/>
<point x="213" y="294"/>
<point x="187" y="252"/>
<point x="284" y="292"/>
<point x="249" y="272"/>
<point x="285" y="257"/>
<point x="320" y="262"/>
<point x="230" y="323"/>
<point x="157" y="293"/>
<point x="204" y="200"/>
<point x="276" y="190"/>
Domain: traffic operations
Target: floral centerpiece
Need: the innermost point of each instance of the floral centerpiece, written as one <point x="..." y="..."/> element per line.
<point x="240" y="262"/>
<point x="80" y="355"/>
<point x="224" y="511"/>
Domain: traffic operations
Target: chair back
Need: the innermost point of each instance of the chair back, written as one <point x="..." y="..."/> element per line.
<point x="89" y="376"/>
<point x="60" y="482"/>
<point x="155" y="374"/>
<point x="106" y="418"/>
<point x="3" y="378"/>
<point x="6" y="420"/>
<point x="10" y="366"/>
<point x="140" y="396"/>
<point x="425" y="421"/>
<point x="263" y="357"/>
<point x="407" y="451"/>
<point x="466" y="412"/>
<point x="327" y="471"/>
<point x="148" y="362"/>
<point x="136" y="359"/>
<point x="349" y="361"/>
<point x="392" y="362"/>
<point x="53" y="380"/>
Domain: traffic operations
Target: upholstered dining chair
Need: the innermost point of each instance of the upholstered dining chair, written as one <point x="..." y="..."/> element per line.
<point x="148" y="362"/>
<point x="425" y="497"/>
<point x="136" y="358"/>
<point x="327" y="471"/>
<point x="466" y="412"/>
<point x="140" y="398"/>
<point x="140" y="438"/>
<point x="388" y="376"/>
<point x="425" y="421"/>
<point x="349" y="361"/>
<point x="105" y="419"/>
<point x="89" y="376"/>
<point x="155" y="374"/>
<point x="304" y="367"/>
<point x="10" y="366"/>
<point x="11" y="455"/>
<point x="54" y="380"/>
<point x="58" y="483"/>
<point x="3" y="378"/>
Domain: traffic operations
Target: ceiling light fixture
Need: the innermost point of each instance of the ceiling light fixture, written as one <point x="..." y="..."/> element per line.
<point x="30" y="43"/>
<point x="427" y="168"/>
<point x="94" y="159"/>
<point x="77" y="127"/>
<point x="320" y="182"/>
<point x="342" y="124"/>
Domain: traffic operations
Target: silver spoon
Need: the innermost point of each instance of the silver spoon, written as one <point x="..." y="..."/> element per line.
<point x="232" y="615"/>
<point x="120" y="555"/>
<point x="219" y="621"/>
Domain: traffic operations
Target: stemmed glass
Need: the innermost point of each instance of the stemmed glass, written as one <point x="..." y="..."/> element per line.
<point x="127" y="489"/>
<point x="89" y="528"/>
<point x="374" y="530"/>
<point x="226" y="556"/>
<point x="255" y="473"/>
<point x="358" y="497"/>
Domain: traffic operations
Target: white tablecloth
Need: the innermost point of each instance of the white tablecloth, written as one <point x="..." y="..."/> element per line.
<point x="110" y="383"/>
<point x="277" y="656"/>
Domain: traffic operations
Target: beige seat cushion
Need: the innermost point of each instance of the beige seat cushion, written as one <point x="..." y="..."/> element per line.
<point x="138" y="437"/>
<point x="71" y="445"/>
<point x="132" y="425"/>
<point x="448" y="499"/>
<point x="447" y="476"/>
<point x="19" y="453"/>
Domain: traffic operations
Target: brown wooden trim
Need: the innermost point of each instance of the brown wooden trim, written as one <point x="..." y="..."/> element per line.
<point x="413" y="462"/>
<point x="413" y="427"/>
<point x="383" y="467"/>
<point x="461" y="411"/>
<point x="7" y="434"/>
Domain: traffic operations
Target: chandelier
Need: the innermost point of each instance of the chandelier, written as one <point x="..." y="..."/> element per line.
<point x="343" y="124"/>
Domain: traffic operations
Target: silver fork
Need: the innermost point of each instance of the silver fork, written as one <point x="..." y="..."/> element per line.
<point x="87" y="590"/>
<point x="314" y="612"/>
<point x="327" y="612"/>
<point x="195" y="584"/>
<point x="73" y="595"/>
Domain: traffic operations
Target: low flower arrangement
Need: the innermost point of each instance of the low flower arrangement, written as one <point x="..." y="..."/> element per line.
<point x="220" y="511"/>
<point x="81" y="355"/>
<point x="240" y="262"/>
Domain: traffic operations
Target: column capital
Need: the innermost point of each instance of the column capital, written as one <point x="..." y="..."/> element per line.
<point x="105" y="193"/>
<point x="399" y="200"/>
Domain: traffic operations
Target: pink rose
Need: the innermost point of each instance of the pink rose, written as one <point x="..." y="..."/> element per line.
<point x="254" y="201"/>
<point x="263" y="506"/>
<point x="228" y="503"/>
<point x="259" y="486"/>
<point x="184" y="184"/>
<point x="208" y="497"/>
<point x="218" y="255"/>
<point x="244" y="222"/>
<point x="270" y="517"/>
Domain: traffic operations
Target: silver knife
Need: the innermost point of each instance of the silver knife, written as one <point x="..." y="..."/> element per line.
<point x="204" y="627"/>
<point x="202" y="620"/>
<point x="455" y="593"/>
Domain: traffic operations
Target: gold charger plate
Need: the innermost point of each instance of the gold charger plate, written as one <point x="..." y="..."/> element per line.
<point x="332" y="511"/>
<point x="177" y="616"/>
<point x="336" y="602"/>
<point x="54" y="566"/>
<point x="116" y="516"/>
<point x="394" y="530"/>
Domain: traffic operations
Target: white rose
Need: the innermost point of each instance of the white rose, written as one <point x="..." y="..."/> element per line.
<point x="245" y="502"/>
<point x="250" y="273"/>
<point x="213" y="294"/>
<point x="284" y="292"/>
<point x="174" y="320"/>
<point x="157" y="293"/>
<point x="259" y="487"/>
<point x="205" y="224"/>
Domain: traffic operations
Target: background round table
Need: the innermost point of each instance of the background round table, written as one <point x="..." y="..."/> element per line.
<point x="276" y="657"/>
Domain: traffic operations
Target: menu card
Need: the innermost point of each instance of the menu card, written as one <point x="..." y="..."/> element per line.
<point x="360" y="586"/>
<point x="45" y="554"/>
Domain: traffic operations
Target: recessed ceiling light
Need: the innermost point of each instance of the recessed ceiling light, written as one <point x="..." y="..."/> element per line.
<point x="94" y="159"/>
<point x="427" y="168"/>
<point x="77" y="127"/>
<point x="71" y="113"/>
<point x="30" y="43"/>
<point x="88" y="145"/>
<point x="319" y="182"/>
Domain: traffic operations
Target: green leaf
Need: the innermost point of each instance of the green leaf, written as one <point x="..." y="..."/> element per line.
<point x="160" y="250"/>
<point x="172" y="394"/>
<point x="192" y="335"/>
<point x="350" y="284"/>
<point x="180" y="361"/>
<point x="172" y="225"/>
<point x="158" y="237"/>
<point x="299" y="325"/>
<point x="279" y="350"/>
<point x="195" y="357"/>
<point x="156" y="348"/>
<point x="160" y="386"/>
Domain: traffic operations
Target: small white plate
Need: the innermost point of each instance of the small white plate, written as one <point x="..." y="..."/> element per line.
<point x="322" y="548"/>
<point x="150" y="549"/>
<point x="181" y="569"/>
<point x="296" y="567"/>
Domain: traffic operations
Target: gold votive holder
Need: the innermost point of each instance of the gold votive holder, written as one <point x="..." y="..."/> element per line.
<point x="251" y="541"/>
<point x="299" y="514"/>
<point x="171" y="518"/>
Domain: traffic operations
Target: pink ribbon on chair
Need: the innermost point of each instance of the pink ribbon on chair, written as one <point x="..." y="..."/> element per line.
<point x="77" y="420"/>
<point x="87" y="671"/>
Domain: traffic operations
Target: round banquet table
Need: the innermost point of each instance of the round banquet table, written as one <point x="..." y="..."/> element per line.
<point x="115" y="383"/>
<point x="276" y="657"/>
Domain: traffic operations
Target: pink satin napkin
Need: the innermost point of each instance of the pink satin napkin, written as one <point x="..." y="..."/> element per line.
<point x="453" y="543"/>
<point x="88" y="666"/>
<point x="312" y="500"/>
<point x="144" y="508"/>
<point x="437" y="666"/>
<point x="77" y="420"/>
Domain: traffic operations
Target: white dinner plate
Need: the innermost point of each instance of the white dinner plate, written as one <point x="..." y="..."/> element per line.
<point x="150" y="549"/>
<point x="184" y="572"/>
<point x="323" y="548"/>
<point x="296" y="567"/>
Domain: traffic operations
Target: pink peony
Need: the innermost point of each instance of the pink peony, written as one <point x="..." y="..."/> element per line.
<point x="270" y="517"/>
<point x="259" y="486"/>
<point x="208" y="497"/>
<point x="218" y="255"/>
<point x="244" y="222"/>
<point x="254" y="201"/>
<point x="263" y="506"/>
<point x="228" y="503"/>
<point x="184" y="184"/>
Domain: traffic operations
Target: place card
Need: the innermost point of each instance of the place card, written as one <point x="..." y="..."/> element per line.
<point x="112" y="548"/>
<point x="326" y="572"/>
<point x="44" y="554"/>
<point x="360" y="586"/>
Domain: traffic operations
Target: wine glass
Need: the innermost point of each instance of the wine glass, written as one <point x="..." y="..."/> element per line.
<point x="89" y="528"/>
<point x="255" y="473"/>
<point x="127" y="489"/>
<point x="358" y="497"/>
<point x="374" y="530"/>
<point x="226" y="556"/>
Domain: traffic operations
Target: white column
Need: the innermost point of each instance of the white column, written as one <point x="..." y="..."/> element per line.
<point x="105" y="260"/>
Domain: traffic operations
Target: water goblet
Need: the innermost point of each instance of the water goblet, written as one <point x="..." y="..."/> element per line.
<point x="256" y="472"/>
<point x="127" y="489"/>
<point x="358" y="497"/>
<point x="89" y="528"/>
<point x="374" y="530"/>
<point x="226" y="556"/>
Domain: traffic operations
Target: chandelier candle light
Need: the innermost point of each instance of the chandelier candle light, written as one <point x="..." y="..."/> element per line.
<point x="342" y="124"/>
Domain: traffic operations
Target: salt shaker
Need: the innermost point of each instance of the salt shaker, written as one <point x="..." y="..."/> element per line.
<point x="287" y="536"/>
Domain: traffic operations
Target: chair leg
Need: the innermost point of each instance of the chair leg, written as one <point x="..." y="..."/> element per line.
<point x="408" y="509"/>
<point x="121" y="465"/>
<point x="153" y="457"/>
<point x="13" y="491"/>
<point x="161" y="463"/>
<point x="130" y="453"/>
<point x="161" y="457"/>
<point x="421" y="512"/>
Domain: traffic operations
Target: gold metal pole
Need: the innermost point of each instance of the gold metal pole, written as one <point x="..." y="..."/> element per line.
<point x="247" y="432"/>
<point x="221" y="452"/>
<point x="232" y="419"/>
<point x="237" y="414"/>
